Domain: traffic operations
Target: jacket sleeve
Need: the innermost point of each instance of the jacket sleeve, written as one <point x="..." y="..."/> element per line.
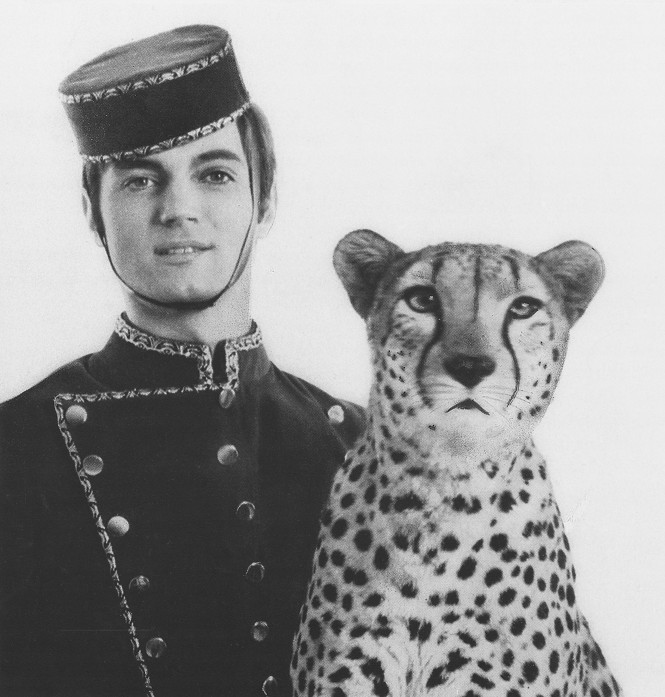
<point x="19" y="515"/>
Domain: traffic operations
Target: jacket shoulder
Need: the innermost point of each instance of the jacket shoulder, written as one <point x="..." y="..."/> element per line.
<point x="69" y="378"/>
<point x="28" y="420"/>
<point x="350" y="418"/>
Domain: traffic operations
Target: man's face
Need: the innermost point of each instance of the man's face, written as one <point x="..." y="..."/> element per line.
<point x="175" y="221"/>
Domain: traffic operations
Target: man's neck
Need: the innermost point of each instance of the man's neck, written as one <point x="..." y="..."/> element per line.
<point x="229" y="317"/>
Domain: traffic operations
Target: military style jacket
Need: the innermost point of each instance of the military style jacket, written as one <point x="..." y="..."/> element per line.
<point x="159" y="514"/>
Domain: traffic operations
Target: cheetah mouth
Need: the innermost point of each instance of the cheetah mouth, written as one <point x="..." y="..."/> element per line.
<point x="466" y="405"/>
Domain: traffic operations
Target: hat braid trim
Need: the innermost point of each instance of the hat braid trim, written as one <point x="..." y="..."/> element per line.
<point x="146" y="82"/>
<point x="188" y="137"/>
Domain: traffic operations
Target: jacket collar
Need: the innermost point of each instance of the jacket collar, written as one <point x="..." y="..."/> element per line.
<point x="133" y="358"/>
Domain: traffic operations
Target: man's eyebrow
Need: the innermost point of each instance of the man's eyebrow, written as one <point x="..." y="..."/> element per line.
<point x="156" y="166"/>
<point x="219" y="154"/>
<point x="140" y="163"/>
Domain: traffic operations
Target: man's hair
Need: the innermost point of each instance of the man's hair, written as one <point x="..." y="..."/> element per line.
<point x="257" y="144"/>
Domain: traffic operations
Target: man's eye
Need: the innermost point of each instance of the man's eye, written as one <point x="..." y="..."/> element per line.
<point x="218" y="176"/>
<point x="138" y="183"/>
<point x="524" y="307"/>
<point x="421" y="299"/>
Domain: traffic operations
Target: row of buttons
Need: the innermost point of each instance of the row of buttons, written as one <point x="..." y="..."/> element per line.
<point x="155" y="647"/>
<point x="226" y="455"/>
<point x="93" y="464"/>
<point x="119" y="526"/>
<point x="76" y="414"/>
<point x="255" y="573"/>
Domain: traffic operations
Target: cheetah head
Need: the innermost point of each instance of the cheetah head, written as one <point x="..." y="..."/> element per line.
<point x="467" y="340"/>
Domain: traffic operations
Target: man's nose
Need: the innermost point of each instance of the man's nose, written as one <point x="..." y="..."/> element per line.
<point x="469" y="370"/>
<point x="178" y="203"/>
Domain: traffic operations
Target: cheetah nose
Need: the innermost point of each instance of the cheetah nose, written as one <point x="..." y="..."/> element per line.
<point x="469" y="370"/>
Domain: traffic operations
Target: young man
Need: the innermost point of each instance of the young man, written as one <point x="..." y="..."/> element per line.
<point x="161" y="497"/>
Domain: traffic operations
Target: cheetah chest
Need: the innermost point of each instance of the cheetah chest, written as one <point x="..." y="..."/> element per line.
<point x="417" y="587"/>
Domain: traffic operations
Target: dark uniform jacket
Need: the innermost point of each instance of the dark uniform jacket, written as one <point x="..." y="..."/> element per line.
<point x="160" y="509"/>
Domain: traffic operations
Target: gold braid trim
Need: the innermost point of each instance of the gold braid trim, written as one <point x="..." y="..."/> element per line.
<point x="188" y="137"/>
<point x="146" y="82"/>
<point x="103" y="536"/>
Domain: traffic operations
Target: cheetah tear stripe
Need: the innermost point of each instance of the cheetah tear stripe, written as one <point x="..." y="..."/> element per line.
<point x="442" y="565"/>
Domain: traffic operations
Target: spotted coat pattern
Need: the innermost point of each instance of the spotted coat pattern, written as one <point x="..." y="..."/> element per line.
<point x="442" y="566"/>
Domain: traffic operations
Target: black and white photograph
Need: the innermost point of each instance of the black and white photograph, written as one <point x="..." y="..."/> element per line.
<point x="330" y="345"/>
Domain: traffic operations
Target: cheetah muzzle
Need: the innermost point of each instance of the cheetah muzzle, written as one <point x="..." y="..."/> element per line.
<point x="442" y="566"/>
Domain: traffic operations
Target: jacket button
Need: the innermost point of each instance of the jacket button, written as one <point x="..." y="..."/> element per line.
<point x="269" y="687"/>
<point x="246" y="510"/>
<point x="260" y="631"/>
<point x="76" y="415"/>
<point x="118" y="526"/>
<point x="93" y="465"/>
<point x="226" y="397"/>
<point x="255" y="572"/>
<point x="155" y="647"/>
<point x="227" y="454"/>
<point x="139" y="584"/>
<point x="336" y="414"/>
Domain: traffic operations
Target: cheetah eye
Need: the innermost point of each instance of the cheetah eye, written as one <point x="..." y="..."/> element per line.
<point x="524" y="307"/>
<point x="421" y="299"/>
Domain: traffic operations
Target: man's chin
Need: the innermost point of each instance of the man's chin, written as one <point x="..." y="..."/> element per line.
<point x="176" y="296"/>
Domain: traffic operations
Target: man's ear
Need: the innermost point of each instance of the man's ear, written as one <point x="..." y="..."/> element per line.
<point x="580" y="270"/>
<point x="90" y="217"/>
<point x="361" y="258"/>
<point x="268" y="218"/>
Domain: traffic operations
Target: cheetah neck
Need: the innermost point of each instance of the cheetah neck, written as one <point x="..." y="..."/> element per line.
<point x="505" y="485"/>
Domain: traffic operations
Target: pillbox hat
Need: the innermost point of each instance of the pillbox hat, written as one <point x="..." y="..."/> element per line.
<point x="154" y="94"/>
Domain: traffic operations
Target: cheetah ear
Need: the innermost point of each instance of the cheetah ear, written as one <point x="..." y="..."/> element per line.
<point x="580" y="270"/>
<point x="361" y="259"/>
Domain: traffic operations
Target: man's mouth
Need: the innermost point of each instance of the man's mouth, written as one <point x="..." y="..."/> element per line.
<point x="466" y="405"/>
<point x="181" y="250"/>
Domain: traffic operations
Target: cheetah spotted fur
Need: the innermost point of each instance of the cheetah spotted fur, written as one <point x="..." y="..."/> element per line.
<point x="442" y="566"/>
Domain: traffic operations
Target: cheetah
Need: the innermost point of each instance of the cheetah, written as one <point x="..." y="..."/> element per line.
<point x="442" y="566"/>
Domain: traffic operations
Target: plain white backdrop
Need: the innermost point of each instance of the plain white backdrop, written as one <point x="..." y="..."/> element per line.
<point x="521" y="123"/>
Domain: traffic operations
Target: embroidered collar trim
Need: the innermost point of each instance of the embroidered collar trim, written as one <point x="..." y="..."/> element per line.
<point x="200" y="352"/>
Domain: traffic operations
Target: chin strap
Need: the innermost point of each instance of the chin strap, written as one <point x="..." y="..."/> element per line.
<point x="194" y="305"/>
